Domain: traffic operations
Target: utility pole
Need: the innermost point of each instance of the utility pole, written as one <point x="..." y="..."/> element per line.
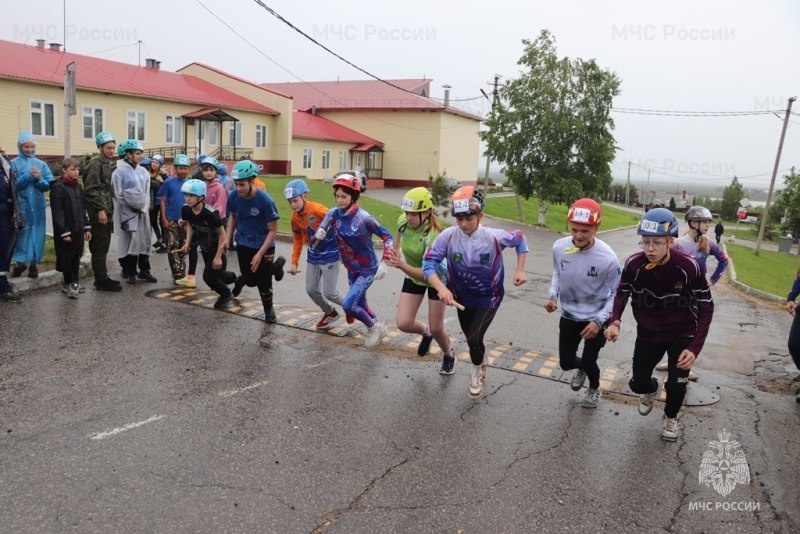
<point x="69" y="105"/>
<point x="488" y="158"/>
<point x="628" y="187"/>
<point x="765" y="216"/>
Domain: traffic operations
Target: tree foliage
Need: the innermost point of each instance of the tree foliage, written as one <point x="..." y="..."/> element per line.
<point x="551" y="127"/>
<point x="732" y="195"/>
<point x="788" y="203"/>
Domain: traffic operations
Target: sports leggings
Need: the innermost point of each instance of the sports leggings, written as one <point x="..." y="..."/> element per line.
<point x="474" y="323"/>
<point x="646" y="355"/>
<point x="569" y="337"/>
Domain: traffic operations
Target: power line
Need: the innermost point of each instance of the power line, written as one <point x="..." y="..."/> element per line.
<point x="669" y="113"/>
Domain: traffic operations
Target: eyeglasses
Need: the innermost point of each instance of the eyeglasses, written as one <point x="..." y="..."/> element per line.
<point x="645" y="244"/>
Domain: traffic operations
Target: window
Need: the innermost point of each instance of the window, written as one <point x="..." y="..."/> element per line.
<point x="92" y="121"/>
<point x="373" y="160"/>
<point x="261" y="136"/>
<point x="43" y="118"/>
<point x="357" y="163"/>
<point x="342" y="160"/>
<point x="136" y="126"/>
<point x="213" y="133"/>
<point x="235" y="134"/>
<point x="307" y="158"/>
<point x="326" y="159"/>
<point x="174" y="133"/>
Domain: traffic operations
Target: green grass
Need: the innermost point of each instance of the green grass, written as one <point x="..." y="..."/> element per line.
<point x="506" y="207"/>
<point x="772" y="272"/>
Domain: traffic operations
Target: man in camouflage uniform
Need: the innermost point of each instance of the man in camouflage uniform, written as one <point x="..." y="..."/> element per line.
<point x="99" y="204"/>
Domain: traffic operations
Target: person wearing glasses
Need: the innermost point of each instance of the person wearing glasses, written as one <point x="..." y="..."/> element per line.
<point x="672" y="305"/>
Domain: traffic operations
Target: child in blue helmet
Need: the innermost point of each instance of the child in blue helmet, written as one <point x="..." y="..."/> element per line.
<point x="171" y="201"/>
<point x="354" y="228"/>
<point x="33" y="179"/>
<point x="157" y="176"/>
<point x="204" y="230"/>
<point x="322" y="262"/>
<point x="252" y="214"/>
<point x="672" y="305"/>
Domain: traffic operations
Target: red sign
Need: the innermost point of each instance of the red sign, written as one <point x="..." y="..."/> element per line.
<point x="742" y="213"/>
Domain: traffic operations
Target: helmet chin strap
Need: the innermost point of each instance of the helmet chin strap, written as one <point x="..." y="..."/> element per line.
<point x="654" y="264"/>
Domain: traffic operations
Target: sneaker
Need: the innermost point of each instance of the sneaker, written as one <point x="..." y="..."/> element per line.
<point x="349" y="318"/>
<point x="646" y="402"/>
<point x="578" y="379"/>
<point x="147" y="277"/>
<point x="129" y="278"/>
<point x="671" y="429"/>
<point x="33" y="271"/>
<point x="187" y="281"/>
<point x="11" y="296"/>
<point x="375" y="335"/>
<point x="224" y="302"/>
<point x="592" y="397"/>
<point x="107" y="284"/>
<point x="65" y="288"/>
<point x="476" y="382"/>
<point x="17" y="271"/>
<point x="693" y="376"/>
<point x="237" y="286"/>
<point x="161" y="249"/>
<point x="81" y="288"/>
<point x="327" y="320"/>
<point x="277" y="268"/>
<point x="73" y="291"/>
<point x="424" y="345"/>
<point x="448" y="363"/>
<point x="663" y="366"/>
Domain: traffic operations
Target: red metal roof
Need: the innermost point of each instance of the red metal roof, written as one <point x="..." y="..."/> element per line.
<point x="42" y="65"/>
<point x="363" y="95"/>
<point x="309" y="126"/>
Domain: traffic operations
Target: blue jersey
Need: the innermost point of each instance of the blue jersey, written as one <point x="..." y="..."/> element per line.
<point x="171" y="190"/>
<point x="354" y="228"/>
<point x="252" y="217"/>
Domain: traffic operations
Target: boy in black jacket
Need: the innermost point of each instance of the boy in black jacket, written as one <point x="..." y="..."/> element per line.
<point x="70" y="225"/>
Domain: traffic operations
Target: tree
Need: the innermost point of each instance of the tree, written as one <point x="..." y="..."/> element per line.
<point x="672" y="204"/>
<point x="731" y="198"/>
<point x="788" y="203"/>
<point x="551" y="127"/>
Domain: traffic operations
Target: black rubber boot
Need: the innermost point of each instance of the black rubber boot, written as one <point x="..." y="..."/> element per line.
<point x="277" y="268"/>
<point x="269" y="311"/>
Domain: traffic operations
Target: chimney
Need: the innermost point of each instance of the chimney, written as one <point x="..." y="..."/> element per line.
<point x="158" y="65"/>
<point x="151" y="63"/>
<point x="446" y="94"/>
<point x="39" y="43"/>
<point x="313" y="110"/>
<point x="55" y="46"/>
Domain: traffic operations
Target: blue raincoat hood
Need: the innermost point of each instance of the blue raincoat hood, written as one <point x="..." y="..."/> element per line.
<point x="24" y="137"/>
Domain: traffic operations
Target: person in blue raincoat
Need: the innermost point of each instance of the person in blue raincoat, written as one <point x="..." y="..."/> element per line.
<point x="33" y="178"/>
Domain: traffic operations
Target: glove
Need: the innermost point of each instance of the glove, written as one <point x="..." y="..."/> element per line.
<point x="320" y="234"/>
<point x="381" y="273"/>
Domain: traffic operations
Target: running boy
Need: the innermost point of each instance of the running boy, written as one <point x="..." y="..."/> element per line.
<point x="354" y="228"/>
<point x="252" y="215"/>
<point x="475" y="273"/>
<point x="417" y="229"/>
<point x="672" y="305"/>
<point x="322" y="260"/>
<point x="205" y="231"/>
<point x="70" y="225"/>
<point x="585" y="277"/>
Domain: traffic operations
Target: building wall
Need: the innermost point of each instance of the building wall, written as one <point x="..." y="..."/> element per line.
<point x="316" y="172"/>
<point x="418" y="144"/>
<point x="15" y="116"/>
<point x="280" y="135"/>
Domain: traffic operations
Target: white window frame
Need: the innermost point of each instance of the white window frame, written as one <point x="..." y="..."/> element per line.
<point x="42" y="112"/>
<point x="136" y="115"/>
<point x="92" y="114"/>
<point x="261" y="136"/>
<point x="342" y="160"/>
<point x="326" y="159"/>
<point x="213" y="133"/>
<point x="235" y="129"/>
<point x="175" y="124"/>
<point x="308" y="158"/>
<point x="372" y="160"/>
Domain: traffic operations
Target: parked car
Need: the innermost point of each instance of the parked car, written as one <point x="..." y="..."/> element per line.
<point x="452" y="184"/>
<point x="362" y="178"/>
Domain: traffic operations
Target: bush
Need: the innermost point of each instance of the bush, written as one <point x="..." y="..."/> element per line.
<point x="440" y="192"/>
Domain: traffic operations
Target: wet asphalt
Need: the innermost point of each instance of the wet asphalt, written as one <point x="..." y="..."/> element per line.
<point x="124" y="412"/>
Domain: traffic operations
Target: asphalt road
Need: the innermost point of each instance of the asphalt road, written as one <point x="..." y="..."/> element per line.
<point x="124" y="412"/>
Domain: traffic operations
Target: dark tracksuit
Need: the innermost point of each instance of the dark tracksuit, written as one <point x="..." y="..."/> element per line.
<point x="97" y="189"/>
<point x="10" y="219"/>
<point x="68" y="207"/>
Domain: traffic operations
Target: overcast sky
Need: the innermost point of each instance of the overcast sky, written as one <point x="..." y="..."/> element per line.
<point x="709" y="56"/>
